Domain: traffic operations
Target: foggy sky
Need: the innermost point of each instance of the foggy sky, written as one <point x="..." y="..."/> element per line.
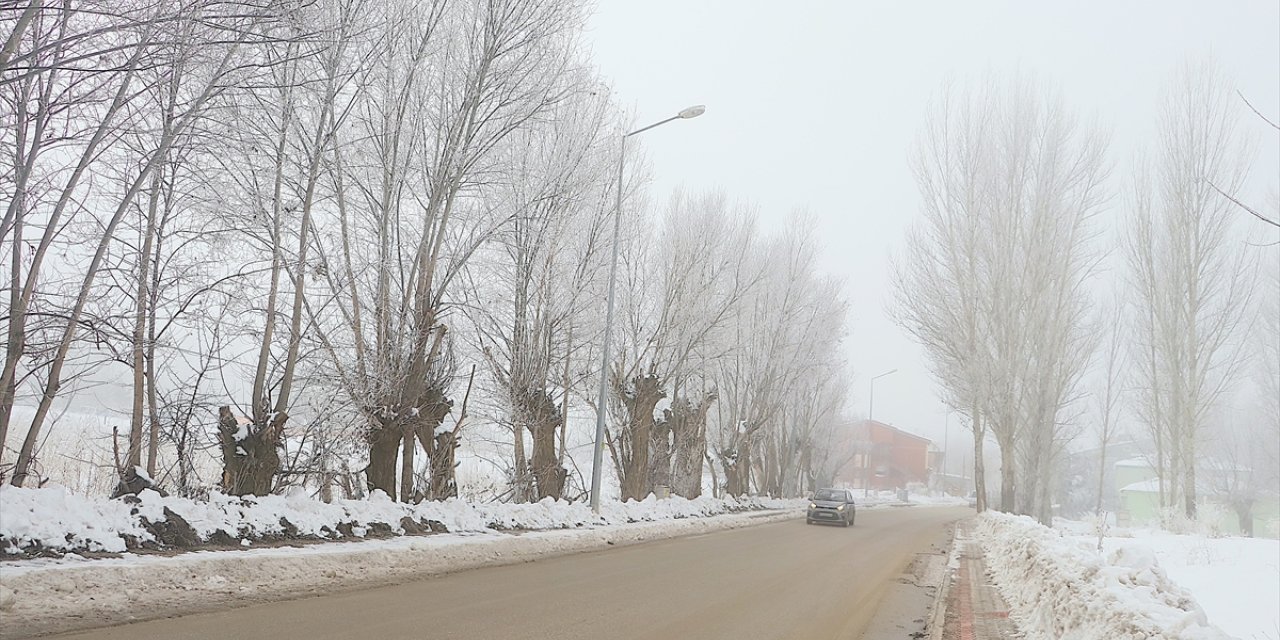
<point x="817" y="106"/>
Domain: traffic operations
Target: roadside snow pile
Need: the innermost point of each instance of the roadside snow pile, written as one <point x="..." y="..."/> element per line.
<point x="62" y="520"/>
<point x="52" y="521"/>
<point x="1060" y="588"/>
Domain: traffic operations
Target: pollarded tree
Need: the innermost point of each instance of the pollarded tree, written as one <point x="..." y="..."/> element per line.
<point x="451" y="82"/>
<point x="527" y="291"/>
<point x="682" y="291"/>
<point x="279" y="128"/>
<point x="791" y="321"/>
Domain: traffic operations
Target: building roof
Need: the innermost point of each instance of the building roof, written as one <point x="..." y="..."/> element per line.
<point x="1144" y="486"/>
<point x="1136" y="463"/>
<point x="897" y="430"/>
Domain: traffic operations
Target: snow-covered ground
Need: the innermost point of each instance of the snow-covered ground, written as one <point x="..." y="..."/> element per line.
<point x="1236" y="580"/>
<point x="1059" y="587"/>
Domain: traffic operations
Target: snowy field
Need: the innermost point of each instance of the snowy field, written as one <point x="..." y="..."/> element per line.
<point x="1236" y="580"/>
<point x="1143" y="584"/>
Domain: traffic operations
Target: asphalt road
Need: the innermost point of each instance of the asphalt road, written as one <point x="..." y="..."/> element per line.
<point x="780" y="580"/>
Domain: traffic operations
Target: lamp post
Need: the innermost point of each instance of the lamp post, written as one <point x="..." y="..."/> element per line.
<point x="597" y="458"/>
<point x="871" y="410"/>
<point x="946" y="440"/>
<point x="866" y="472"/>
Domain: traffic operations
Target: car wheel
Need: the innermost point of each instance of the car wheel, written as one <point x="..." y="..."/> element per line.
<point x="808" y="521"/>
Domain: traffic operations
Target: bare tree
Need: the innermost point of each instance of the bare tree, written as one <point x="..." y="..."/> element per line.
<point x="449" y="86"/>
<point x="994" y="285"/>
<point x="541" y="266"/>
<point x="938" y="290"/>
<point x="221" y="67"/>
<point x="787" y="333"/>
<point x="677" y="300"/>
<point x="1192" y="281"/>
<point x="1109" y="399"/>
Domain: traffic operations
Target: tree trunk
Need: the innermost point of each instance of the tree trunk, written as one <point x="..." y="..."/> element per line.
<point x="544" y="419"/>
<point x="1244" y="516"/>
<point x="979" y="465"/>
<point x="440" y="445"/>
<point x="406" y="466"/>
<point x="737" y="469"/>
<point x="250" y="459"/>
<point x="153" y="403"/>
<point x="326" y="479"/>
<point x="1043" y="505"/>
<point x="768" y="466"/>
<point x="522" y="485"/>
<point x="16" y="334"/>
<point x="639" y="401"/>
<point x="384" y="449"/>
<point x="690" y="436"/>
<point x="1189" y="487"/>
<point x="715" y="481"/>
<point x="142" y="311"/>
<point x="660" y="450"/>
<point x="548" y="474"/>
<point x="443" y="481"/>
<point x="1008" y="469"/>
<point x="1102" y="478"/>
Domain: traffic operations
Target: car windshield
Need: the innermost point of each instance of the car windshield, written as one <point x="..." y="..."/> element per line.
<point x="829" y="495"/>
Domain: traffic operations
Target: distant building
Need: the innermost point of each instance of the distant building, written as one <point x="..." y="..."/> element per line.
<point x="1138" y="484"/>
<point x="886" y="458"/>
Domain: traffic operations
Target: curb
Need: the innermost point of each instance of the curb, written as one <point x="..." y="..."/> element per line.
<point x="938" y="616"/>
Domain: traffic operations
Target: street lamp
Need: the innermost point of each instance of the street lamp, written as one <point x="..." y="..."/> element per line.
<point x="866" y="462"/>
<point x="871" y="410"/>
<point x="946" y="440"/>
<point x="597" y="458"/>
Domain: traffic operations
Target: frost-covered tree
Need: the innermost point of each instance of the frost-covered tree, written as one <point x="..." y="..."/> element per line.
<point x="1190" y="275"/>
<point x="993" y="283"/>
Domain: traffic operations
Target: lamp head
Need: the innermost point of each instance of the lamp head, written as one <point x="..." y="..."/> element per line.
<point x="693" y="112"/>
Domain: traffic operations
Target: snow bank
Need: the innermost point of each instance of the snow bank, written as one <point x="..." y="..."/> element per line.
<point x="53" y="521"/>
<point x="1060" y="588"/>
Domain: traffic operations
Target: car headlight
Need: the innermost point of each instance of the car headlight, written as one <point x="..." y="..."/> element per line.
<point x="840" y="508"/>
<point x="813" y="506"/>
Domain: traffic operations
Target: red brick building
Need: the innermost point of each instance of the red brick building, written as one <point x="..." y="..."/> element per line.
<point x="887" y="458"/>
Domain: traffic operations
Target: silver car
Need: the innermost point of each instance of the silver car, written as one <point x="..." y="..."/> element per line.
<point x="831" y="506"/>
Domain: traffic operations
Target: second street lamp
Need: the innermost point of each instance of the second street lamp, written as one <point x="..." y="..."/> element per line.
<point x="871" y="416"/>
<point x="597" y="457"/>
